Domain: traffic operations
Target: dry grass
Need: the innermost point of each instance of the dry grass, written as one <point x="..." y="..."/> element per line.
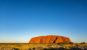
<point x="26" y="46"/>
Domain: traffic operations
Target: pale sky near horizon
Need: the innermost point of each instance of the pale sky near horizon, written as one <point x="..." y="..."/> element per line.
<point x="21" y="20"/>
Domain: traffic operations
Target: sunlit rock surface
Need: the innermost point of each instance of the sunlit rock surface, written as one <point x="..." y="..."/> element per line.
<point x="50" y="39"/>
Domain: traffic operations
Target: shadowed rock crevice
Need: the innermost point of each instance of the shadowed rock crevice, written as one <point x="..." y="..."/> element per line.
<point x="55" y="40"/>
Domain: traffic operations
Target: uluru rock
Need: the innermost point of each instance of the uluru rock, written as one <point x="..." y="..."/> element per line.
<point x="50" y="39"/>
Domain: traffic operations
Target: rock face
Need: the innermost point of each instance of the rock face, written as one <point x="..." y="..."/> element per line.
<point x="50" y="39"/>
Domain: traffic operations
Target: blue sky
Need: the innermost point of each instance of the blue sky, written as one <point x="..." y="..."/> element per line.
<point x="21" y="20"/>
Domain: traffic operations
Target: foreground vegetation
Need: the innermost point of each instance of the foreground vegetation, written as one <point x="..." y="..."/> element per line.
<point x="26" y="46"/>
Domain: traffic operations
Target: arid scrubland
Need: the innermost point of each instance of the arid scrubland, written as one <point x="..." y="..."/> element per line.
<point x="27" y="46"/>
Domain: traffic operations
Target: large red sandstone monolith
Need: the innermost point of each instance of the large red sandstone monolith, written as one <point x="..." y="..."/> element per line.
<point x="50" y="39"/>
